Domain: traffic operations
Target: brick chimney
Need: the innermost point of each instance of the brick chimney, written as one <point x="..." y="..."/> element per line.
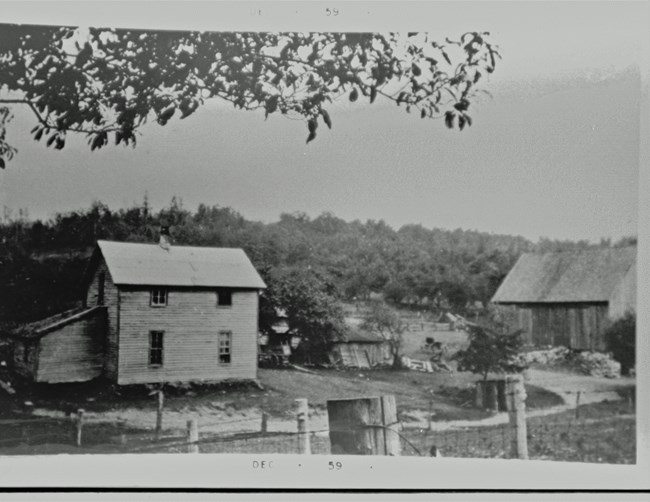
<point x="165" y="242"/>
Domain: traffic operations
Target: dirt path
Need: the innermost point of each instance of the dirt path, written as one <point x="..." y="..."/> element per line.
<point x="218" y="418"/>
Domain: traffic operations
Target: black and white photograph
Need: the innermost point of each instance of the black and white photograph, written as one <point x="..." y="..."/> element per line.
<point x="277" y="232"/>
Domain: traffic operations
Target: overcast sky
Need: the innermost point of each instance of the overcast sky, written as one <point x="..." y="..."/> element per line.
<point x="554" y="153"/>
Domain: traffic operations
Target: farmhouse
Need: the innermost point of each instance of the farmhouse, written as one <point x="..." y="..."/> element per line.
<point x="569" y="298"/>
<point x="152" y="313"/>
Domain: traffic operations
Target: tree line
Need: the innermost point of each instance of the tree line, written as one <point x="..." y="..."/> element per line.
<point x="42" y="262"/>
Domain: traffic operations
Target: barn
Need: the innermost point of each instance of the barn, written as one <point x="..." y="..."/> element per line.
<point x="152" y="313"/>
<point x="569" y="298"/>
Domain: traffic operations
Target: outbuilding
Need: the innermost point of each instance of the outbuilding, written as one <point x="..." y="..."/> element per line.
<point x="569" y="298"/>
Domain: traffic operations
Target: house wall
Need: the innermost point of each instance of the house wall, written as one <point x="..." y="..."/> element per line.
<point x="111" y="301"/>
<point x="73" y="353"/>
<point x="191" y="322"/>
<point x="623" y="299"/>
<point x="578" y="326"/>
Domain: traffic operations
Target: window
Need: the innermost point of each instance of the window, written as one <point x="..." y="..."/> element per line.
<point x="27" y="349"/>
<point x="158" y="297"/>
<point x="225" y="343"/>
<point x="156" y="348"/>
<point x="224" y="298"/>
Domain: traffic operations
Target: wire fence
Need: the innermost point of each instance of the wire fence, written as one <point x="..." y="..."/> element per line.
<point x="591" y="426"/>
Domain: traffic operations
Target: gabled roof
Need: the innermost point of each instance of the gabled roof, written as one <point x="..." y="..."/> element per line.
<point x="572" y="276"/>
<point x="151" y="265"/>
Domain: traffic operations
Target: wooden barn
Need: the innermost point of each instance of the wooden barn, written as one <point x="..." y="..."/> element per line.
<point x="154" y="313"/>
<point x="361" y="349"/>
<point x="569" y="298"/>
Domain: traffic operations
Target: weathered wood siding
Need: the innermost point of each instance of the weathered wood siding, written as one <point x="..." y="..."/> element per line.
<point x="191" y="322"/>
<point x="578" y="326"/>
<point x="623" y="299"/>
<point x="111" y="301"/>
<point x="73" y="353"/>
<point x="362" y="355"/>
<point x="24" y="363"/>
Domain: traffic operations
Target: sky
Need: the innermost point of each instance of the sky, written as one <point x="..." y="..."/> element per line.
<point x="554" y="152"/>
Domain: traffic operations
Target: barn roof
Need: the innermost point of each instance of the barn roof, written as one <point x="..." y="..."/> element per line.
<point x="572" y="276"/>
<point x="151" y="265"/>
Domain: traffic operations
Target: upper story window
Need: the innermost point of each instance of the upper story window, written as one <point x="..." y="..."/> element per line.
<point x="224" y="298"/>
<point x="158" y="297"/>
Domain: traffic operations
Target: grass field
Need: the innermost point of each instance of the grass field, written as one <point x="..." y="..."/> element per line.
<point x="603" y="433"/>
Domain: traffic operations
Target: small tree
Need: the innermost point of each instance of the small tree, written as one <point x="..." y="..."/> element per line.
<point x="387" y="323"/>
<point x="621" y="341"/>
<point x="491" y="352"/>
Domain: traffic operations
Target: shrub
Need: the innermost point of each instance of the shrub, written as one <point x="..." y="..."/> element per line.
<point x="621" y="341"/>
<point x="491" y="352"/>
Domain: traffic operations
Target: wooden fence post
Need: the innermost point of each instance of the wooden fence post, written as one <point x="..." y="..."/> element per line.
<point x="265" y="419"/>
<point x="364" y="426"/>
<point x="302" y="417"/>
<point x="192" y="436"/>
<point x="159" y="414"/>
<point x="80" y="423"/>
<point x="517" y="415"/>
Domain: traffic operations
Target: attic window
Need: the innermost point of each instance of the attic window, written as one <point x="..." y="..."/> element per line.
<point x="224" y="298"/>
<point x="158" y="297"/>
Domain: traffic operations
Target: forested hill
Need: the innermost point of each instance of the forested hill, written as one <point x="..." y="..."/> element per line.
<point x="41" y="263"/>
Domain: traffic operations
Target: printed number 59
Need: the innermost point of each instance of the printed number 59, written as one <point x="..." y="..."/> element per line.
<point x="331" y="12"/>
<point x="335" y="466"/>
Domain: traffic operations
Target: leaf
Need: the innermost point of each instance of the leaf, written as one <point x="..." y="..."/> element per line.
<point x="39" y="134"/>
<point x="326" y="118"/>
<point x="51" y="139"/>
<point x="423" y="113"/>
<point x="312" y="125"/>
<point x="449" y="119"/>
<point x="2" y="163"/>
<point x="444" y="54"/>
<point x="373" y="94"/>
<point x="416" y="70"/>
<point x="354" y="95"/>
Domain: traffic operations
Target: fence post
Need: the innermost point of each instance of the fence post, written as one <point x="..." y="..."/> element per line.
<point x="265" y="419"/>
<point x="364" y="426"/>
<point x="159" y="414"/>
<point x="302" y="416"/>
<point x="192" y="436"/>
<point x="80" y="423"/>
<point x="517" y="415"/>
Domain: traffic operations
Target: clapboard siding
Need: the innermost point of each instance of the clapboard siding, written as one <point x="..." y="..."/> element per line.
<point x="111" y="301"/>
<point x="74" y="352"/>
<point x="191" y="322"/>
